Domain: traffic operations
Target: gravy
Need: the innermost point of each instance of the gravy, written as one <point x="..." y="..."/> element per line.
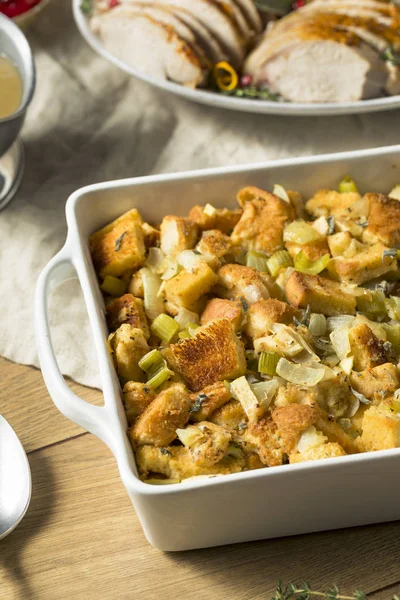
<point x="10" y="88"/>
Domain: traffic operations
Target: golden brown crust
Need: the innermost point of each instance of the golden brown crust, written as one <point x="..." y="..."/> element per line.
<point x="367" y="349"/>
<point x="244" y="283"/>
<point x="380" y="430"/>
<point x="213" y="354"/>
<point x="261" y="225"/>
<point x="292" y="420"/>
<point x="177" y="234"/>
<point x="127" y="309"/>
<point x="329" y="202"/>
<point x="209" y="399"/>
<point x="136" y="397"/>
<point x="375" y="383"/>
<point x="222" y="218"/>
<point x="214" y="242"/>
<point x="383" y="220"/>
<point x="230" y="415"/>
<point x="264" y="312"/>
<point x="321" y="294"/>
<point x="367" y="264"/>
<point x="185" y="289"/>
<point x="119" y="246"/>
<point x="329" y="450"/>
<point x="219" y="308"/>
<point x="263" y="438"/>
<point x="157" y="425"/>
<point x="128" y="344"/>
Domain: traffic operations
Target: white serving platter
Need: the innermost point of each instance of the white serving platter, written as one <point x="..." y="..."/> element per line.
<point x="210" y="98"/>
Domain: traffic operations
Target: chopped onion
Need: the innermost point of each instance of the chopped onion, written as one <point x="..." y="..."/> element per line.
<point x="346" y="364"/>
<point x="340" y="342"/>
<point x="340" y="322"/>
<point x="171" y="268"/>
<point x="360" y="397"/>
<point x="311" y="438"/>
<point x="190" y="436"/>
<point x="301" y="233"/>
<point x="185" y="317"/>
<point x="317" y="325"/>
<point x="300" y="374"/>
<point x="354" y="405"/>
<point x="155" y="260"/>
<point x="283" y="330"/>
<point x="209" y="210"/>
<point x="191" y="260"/>
<point x="321" y="225"/>
<point x="395" y="193"/>
<point x="153" y="304"/>
<point x="281" y="192"/>
<point x="265" y="391"/>
<point x="241" y="390"/>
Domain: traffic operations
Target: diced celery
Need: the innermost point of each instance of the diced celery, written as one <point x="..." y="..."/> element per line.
<point x="279" y="260"/>
<point x="347" y="185"/>
<point x="159" y="376"/>
<point x="267" y="363"/>
<point x="113" y="286"/>
<point x="301" y="233"/>
<point x="372" y="304"/>
<point x="184" y="334"/>
<point x="393" y="335"/>
<point x="257" y="260"/>
<point x="393" y="307"/>
<point x="150" y="360"/>
<point x="164" y="327"/>
<point x="310" y="267"/>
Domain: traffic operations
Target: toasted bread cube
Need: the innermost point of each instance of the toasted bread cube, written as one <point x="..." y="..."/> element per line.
<point x="321" y="294"/>
<point x="218" y="308"/>
<point x="244" y="283"/>
<point x="178" y="463"/>
<point x="213" y="354"/>
<point x="231" y="415"/>
<point x="119" y="246"/>
<point x="168" y="412"/>
<point x="209" y="399"/>
<point x="365" y="265"/>
<point x="262" y="223"/>
<point x="262" y="314"/>
<point x="127" y="309"/>
<point x="218" y="218"/>
<point x="209" y="444"/>
<point x="177" y="234"/>
<point x="292" y="420"/>
<point x="136" y="397"/>
<point x="367" y="349"/>
<point x="313" y="251"/>
<point x="339" y="242"/>
<point x="128" y="344"/>
<point x="329" y="450"/>
<point x="186" y="288"/>
<point x="380" y="429"/>
<point x="335" y="433"/>
<point x="263" y="438"/>
<point x="135" y="286"/>
<point x="215" y="243"/>
<point x="329" y="202"/>
<point x="376" y="382"/>
<point x="383" y="221"/>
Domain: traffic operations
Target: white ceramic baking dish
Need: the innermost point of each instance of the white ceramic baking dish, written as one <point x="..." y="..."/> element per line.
<point x="266" y="503"/>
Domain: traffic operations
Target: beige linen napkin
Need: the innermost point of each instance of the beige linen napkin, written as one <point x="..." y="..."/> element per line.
<point x="89" y="122"/>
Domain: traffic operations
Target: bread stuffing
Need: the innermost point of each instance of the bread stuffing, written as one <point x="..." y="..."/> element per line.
<point x="255" y="336"/>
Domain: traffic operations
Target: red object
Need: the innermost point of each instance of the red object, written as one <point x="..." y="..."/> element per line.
<point x="14" y="8"/>
<point x="113" y="3"/>
<point x="298" y="4"/>
<point x="245" y="81"/>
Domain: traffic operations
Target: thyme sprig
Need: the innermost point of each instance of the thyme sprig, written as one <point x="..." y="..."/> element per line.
<point x="302" y="591"/>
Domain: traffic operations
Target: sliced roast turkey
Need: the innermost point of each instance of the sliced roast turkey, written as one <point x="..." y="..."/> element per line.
<point x="252" y="15"/>
<point x="215" y="19"/>
<point x="318" y="64"/>
<point x="149" y="46"/>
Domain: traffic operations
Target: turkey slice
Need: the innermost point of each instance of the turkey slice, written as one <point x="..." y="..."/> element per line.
<point x="318" y="64"/>
<point x="251" y="13"/>
<point x="149" y="46"/>
<point x="232" y="9"/>
<point x="215" y="19"/>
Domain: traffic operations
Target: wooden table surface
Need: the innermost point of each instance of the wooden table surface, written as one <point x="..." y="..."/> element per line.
<point x="81" y="538"/>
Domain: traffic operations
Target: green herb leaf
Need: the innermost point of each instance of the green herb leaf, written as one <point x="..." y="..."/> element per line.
<point x="86" y="6"/>
<point x="165" y="451"/>
<point x="391" y="55"/>
<point x="255" y="93"/>
<point x="118" y="242"/>
<point x="198" y="403"/>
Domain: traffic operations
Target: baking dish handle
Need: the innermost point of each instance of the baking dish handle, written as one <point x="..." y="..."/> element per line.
<point x="93" y="418"/>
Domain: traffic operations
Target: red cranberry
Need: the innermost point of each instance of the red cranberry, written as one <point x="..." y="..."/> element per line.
<point x="246" y="81"/>
<point x="14" y="8"/>
<point x="113" y="3"/>
<point x="298" y="4"/>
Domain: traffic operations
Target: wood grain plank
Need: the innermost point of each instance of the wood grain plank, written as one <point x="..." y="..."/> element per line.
<point x="26" y="404"/>
<point x="81" y="539"/>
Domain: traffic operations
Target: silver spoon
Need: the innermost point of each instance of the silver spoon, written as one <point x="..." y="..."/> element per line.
<point x="15" y="479"/>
